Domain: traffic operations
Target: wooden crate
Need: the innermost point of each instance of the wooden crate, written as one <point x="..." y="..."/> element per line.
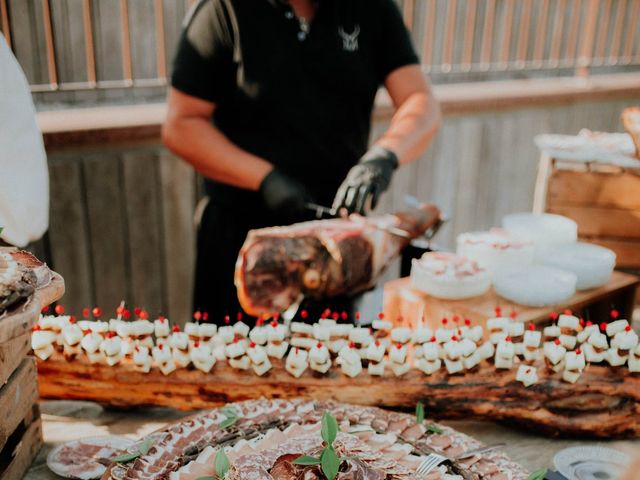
<point x="20" y="424"/>
<point x="604" y="200"/>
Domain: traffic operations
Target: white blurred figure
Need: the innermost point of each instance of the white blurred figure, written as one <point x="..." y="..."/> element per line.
<point x="24" y="179"/>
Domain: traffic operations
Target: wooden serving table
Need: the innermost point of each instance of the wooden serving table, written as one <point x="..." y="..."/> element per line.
<point x="404" y="305"/>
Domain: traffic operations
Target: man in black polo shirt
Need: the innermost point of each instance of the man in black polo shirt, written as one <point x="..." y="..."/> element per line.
<point x="271" y="102"/>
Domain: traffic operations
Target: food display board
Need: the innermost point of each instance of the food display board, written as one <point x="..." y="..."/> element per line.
<point x="403" y="304"/>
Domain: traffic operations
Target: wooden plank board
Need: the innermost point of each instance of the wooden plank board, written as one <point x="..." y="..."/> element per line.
<point x="602" y="222"/>
<point x="24" y="454"/>
<point x="68" y="231"/>
<point x="143" y="218"/>
<point x="177" y="187"/>
<point x="108" y="230"/>
<point x="619" y="190"/>
<point x="493" y="394"/>
<point x="17" y="398"/>
<point x="12" y="353"/>
<point x="402" y="301"/>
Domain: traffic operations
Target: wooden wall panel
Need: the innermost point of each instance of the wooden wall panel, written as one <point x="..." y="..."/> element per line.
<point x="68" y="235"/>
<point x="144" y="226"/>
<point x="177" y="186"/>
<point x="107" y="230"/>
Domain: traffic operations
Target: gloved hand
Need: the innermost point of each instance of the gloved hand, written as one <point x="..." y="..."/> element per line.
<point x="283" y="195"/>
<point x="366" y="181"/>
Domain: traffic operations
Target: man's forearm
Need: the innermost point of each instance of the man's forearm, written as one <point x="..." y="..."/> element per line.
<point x="212" y="154"/>
<point x="412" y="128"/>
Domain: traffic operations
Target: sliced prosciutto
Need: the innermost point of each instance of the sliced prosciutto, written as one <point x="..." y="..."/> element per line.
<point x="279" y="266"/>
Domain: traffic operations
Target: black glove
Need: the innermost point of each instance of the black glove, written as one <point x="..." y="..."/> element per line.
<point x="367" y="180"/>
<point x="284" y="196"/>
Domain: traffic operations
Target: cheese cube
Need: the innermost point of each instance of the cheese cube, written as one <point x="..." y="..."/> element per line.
<point x="322" y="367"/>
<point x="625" y="340"/>
<point x="226" y="334"/>
<point x="398" y="355"/>
<point x="574" y="361"/>
<point x="261" y="368"/>
<point x="505" y="349"/>
<point x="531" y="355"/>
<point x="241" y="329"/>
<point x="376" y="369"/>
<point x="527" y="375"/>
<point x="503" y="362"/>
<point x="498" y="324"/>
<point x="421" y="335"/>
<point x="586" y="332"/>
<point x="321" y="333"/>
<point x="472" y="360"/>
<point x="305" y="343"/>
<point x="375" y="352"/>
<point x="554" y="353"/>
<point x="568" y="341"/>
<point x="569" y="321"/>
<point x="352" y="369"/>
<point x="453" y="366"/>
<point x="381" y="325"/>
<point x="444" y="335"/>
<point x="616" y="327"/>
<point x="167" y="367"/>
<point x="258" y="335"/>
<point x="241" y="363"/>
<point x="44" y="352"/>
<point x="614" y="358"/>
<point x="486" y="350"/>
<point x="429" y="366"/>
<point x="301" y="328"/>
<point x="277" y="350"/>
<point x="399" y="369"/>
<point x="551" y="331"/>
<point x="571" y="376"/>
<point x="400" y="335"/>
<point x="515" y="329"/>
<point x="474" y="333"/>
<point x="599" y="340"/>
<point x="257" y="354"/>
<point x="207" y="330"/>
<point x="532" y="338"/>
<point x="431" y="351"/>
<point x="591" y="355"/>
<point x="235" y="349"/>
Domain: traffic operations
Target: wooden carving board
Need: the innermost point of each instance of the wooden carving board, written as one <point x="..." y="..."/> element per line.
<point x="405" y="305"/>
<point x="602" y="404"/>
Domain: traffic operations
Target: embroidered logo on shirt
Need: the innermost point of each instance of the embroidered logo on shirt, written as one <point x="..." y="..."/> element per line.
<point x="349" y="40"/>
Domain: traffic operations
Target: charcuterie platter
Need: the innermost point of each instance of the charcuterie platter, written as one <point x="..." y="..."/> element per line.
<point x="285" y="439"/>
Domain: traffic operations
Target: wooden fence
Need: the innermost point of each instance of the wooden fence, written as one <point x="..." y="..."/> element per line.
<point x="90" y="51"/>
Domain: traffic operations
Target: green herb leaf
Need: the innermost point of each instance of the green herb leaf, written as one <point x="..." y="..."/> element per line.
<point x="329" y="428"/>
<point x="145" y="446"/>
<point x="206" y="478"/>
<point x="538" y="474"/>
<point x="433" y="428"/>
<point x="330" y="463"/>
<point x="420" y="413"/>
<point x="306" y="460"/>
<point x="221" y="463"/>
<point x="126" y="458"/>
<point x="227" y="422"/>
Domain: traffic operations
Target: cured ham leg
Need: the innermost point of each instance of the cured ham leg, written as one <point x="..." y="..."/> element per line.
<point x="322" y="259"/>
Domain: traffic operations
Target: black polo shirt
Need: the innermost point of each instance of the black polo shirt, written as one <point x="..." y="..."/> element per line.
<point x="299" y="97"/>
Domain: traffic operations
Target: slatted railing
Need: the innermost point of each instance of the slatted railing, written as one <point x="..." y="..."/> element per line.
<point x="473" y="37"/>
